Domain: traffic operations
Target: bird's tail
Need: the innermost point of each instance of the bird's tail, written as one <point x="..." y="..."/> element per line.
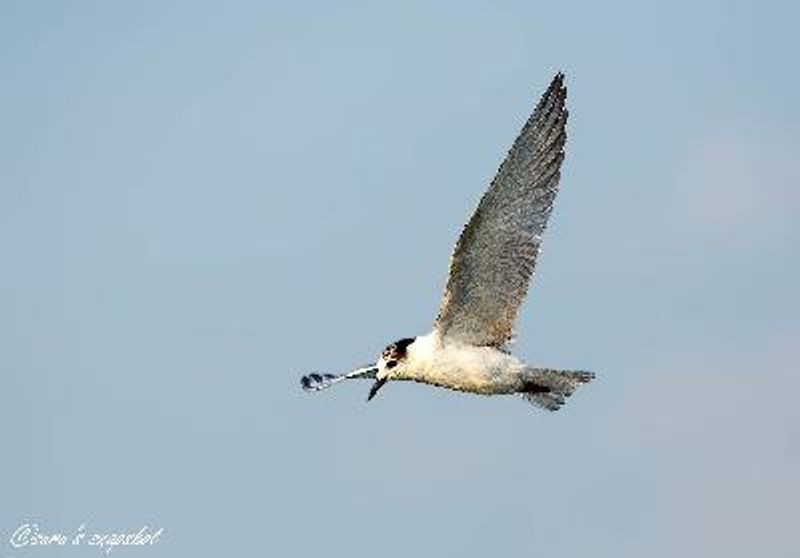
<point x="549" y="389"/>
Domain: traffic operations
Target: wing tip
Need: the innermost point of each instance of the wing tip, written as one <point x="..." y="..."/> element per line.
<point x="557" y="85"/>
<point x="553" y="99"/>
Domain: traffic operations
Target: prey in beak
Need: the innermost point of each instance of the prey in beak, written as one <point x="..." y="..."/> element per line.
<point x="382" y="371"/>
<point x="318" y="382"/>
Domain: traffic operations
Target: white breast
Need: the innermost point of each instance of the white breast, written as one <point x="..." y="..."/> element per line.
<point x="462" y="367"/>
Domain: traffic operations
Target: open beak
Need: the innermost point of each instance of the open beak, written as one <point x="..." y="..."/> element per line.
<point x="375" y="387"/>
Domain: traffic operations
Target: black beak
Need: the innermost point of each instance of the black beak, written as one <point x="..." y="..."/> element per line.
<point x="375" y="387"/>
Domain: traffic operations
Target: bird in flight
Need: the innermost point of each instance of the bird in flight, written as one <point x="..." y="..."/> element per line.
<point x="490" y="270"/>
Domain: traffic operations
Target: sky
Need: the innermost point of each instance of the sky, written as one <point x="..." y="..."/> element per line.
<point x="199" y="203"/>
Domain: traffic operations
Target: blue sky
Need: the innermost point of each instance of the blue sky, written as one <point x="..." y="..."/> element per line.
<point x="198" y="204"/>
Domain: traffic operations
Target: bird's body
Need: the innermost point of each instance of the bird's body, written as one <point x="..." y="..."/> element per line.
<point x="489" y="274"/>
<point x="459" y="366"/>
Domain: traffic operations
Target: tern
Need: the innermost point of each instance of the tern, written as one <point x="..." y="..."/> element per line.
<point x="489" y="273"/>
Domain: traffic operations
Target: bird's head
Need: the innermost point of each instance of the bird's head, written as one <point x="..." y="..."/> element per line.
<point x="390" y="364"/>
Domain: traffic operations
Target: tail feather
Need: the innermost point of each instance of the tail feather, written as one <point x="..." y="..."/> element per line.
<point x="549" y="389"/>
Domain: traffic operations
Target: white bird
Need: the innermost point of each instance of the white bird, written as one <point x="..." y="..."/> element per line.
<point x="489" y="274"/>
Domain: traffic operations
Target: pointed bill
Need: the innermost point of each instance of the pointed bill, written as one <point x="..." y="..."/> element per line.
<point x="379" y="383"/>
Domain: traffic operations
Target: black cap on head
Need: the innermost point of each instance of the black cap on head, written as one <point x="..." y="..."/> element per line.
<point x="398" y="349"/>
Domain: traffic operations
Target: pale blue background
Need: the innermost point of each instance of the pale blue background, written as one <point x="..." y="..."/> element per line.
<point x="200" y="201"/>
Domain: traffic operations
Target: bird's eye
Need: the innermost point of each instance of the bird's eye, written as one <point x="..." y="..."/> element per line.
<point x="391" y="363"/>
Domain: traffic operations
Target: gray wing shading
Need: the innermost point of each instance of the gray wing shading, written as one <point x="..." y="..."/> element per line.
<point x="494" y="259"/>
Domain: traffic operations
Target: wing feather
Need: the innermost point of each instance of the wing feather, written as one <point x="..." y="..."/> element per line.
<point x="495" y="256"/>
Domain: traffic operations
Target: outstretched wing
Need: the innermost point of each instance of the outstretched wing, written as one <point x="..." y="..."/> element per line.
<point x="495" y="256"/>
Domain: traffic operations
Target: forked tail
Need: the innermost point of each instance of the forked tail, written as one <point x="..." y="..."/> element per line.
<point x="549" y="389"/>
